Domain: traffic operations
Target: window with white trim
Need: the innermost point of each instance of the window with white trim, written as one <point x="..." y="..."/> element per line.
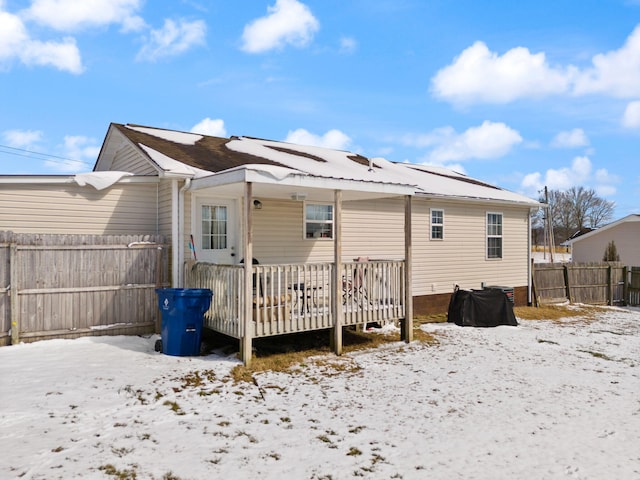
<point x="318" y="221"/>
<point x="214" y="227"/>
<point x="494" y="235"/>
<point x="437" y="224"/>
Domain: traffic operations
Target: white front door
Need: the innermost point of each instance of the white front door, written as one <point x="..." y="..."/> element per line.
<point x="215" y="225"/>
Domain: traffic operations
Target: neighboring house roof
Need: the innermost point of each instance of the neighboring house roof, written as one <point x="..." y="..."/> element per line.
<point x="199" y="156"/>
<point x="576" y="234"/>
<point x="629" y="218"/>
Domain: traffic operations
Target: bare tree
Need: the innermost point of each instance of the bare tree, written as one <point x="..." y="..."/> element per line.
<point x="601" y="212"/>
<point x="577" y="208"/>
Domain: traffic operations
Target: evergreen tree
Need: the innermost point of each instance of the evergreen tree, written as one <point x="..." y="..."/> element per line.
<point x="611" y="253"/>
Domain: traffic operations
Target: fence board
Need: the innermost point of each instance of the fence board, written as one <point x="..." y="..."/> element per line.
<point x="634" y="286"/>
<point x="73" y="285"/>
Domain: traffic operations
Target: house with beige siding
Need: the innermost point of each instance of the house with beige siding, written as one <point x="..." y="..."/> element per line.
<point x="337" y="238"/>
<point x="624" y="232"/>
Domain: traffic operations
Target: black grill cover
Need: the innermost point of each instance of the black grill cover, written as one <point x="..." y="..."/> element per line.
<point x="480" y="308"/>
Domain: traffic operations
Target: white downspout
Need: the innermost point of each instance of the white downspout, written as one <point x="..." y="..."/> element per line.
<point x="175" y="235"/>
<point x="181" y="217"/>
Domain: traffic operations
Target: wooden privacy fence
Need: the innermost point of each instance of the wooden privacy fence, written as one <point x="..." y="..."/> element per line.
<point x="67" y="286"/>
<point x="596" y="284"/>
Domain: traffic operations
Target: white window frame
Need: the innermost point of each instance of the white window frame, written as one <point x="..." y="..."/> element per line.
<point x="492" y="235"/>
<point x="432" y="224"/>
<point x="319" y="222"/>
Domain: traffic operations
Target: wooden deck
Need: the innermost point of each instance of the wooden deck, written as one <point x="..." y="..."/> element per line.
<point x="291" y="298"/>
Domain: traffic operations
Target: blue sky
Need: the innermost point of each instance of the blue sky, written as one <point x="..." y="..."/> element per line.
<point x="521" y="94"/>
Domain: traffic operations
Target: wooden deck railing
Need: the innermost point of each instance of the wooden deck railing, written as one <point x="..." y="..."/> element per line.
<point x="290" y="298"/>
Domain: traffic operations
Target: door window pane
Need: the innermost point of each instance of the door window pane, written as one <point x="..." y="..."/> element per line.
<point x="214" y="227"/>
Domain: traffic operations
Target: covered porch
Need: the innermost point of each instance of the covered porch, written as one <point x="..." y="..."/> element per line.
<point x="278" y="297"/>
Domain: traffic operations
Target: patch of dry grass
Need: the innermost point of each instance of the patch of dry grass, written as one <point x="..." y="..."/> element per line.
<point x="558" y="312"/>
<point x="281" y="353"/>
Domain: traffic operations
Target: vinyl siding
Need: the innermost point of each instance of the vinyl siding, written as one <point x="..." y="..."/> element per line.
<point x="71" y="209"/>
<point x="278" y="235"/>
<point x="164" y="208"/>
<point x="375" y="229"/>
<point x="128" y="159"/>
<point x="461" y="257"/>
<point x="625" y="236"/>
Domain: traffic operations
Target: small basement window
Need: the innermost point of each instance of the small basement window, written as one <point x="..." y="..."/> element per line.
<point x="318" y="221"/>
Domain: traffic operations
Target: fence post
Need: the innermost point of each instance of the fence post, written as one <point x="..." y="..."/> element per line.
<point x="609" y="286"/>
<point x="567" y="284"/>
<point x="625" y="285"/>
<point x="13" y="300"/>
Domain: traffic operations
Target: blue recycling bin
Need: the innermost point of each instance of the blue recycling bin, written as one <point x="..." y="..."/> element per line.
<point x="182" y="317"/>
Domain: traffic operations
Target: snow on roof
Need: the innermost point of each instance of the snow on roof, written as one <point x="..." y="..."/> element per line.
<point x="171" y="166"/>
<point x="178" y="137"/>
<point x="435" y="169"/>
<point x="281" y="159"/>
<point x="321" y="162"/>
<point x="277" y="172"/>
<point x="100" y="180"/>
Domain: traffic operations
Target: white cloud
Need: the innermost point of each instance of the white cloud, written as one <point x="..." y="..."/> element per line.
<point x="570" y="139"/>
<point x="332" y="139"/>
<point x="15" y="43"/>
<point x="479" y="75"/>
<point x="63" y="56"/>
<point x="578" y="174"/>
<point x="489" y="140"/>
<point x="602" y="175"/>
<point x="22" y="138"/>
<point x="631" y="117"/>
<point x="172" y="39"/>
<point x="80" y="148"/>
<point x="288" y="22"/>
<point x="615" y="73"/>
<point x="209" y="126"/>
<point x="73" y="15"/>
<point x="348" y="45"/>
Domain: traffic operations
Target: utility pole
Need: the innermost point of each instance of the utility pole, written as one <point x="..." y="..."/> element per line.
<point x="548" y="227"/>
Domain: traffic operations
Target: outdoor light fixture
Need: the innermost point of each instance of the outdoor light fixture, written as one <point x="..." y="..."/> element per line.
<point x="257" y="204"/>
<point x="299" y="196"/>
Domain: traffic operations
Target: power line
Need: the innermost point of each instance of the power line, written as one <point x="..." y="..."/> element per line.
<point x="21" y="152"/>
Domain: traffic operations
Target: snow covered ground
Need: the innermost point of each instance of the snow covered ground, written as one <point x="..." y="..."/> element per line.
<point x="544" y="400"/>
<point x="545" y="257"/>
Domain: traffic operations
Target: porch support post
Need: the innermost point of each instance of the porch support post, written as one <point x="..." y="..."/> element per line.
<point x="406" y="329"/>
<point x="247" y="311"/>
<point x="336" y="281"/>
